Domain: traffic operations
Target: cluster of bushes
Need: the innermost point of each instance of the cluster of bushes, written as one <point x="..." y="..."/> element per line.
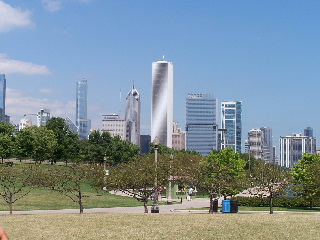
<point x="277" y="202"/>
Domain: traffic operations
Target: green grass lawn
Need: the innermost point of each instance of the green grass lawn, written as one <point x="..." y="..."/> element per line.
<point x="44" y="199"/>
<point x="162" y="226"/>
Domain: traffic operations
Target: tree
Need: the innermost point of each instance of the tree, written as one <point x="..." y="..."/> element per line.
<point x="222" y="173"/>
<point x="69" y="180"/>
<point x="6" y="146"/>
<point x="7" y="131"/>
<point x="269" y="180"/>
<point x="44" y="143"/>
<point x="67" y="147"/>
<point x="121" y="151"/>
<point x="140" y="177"/>
<point x="306" y="177"/>
<point x="24" y="143"/>
<point x="7" y="128"/>
<point x="16" y="182"/>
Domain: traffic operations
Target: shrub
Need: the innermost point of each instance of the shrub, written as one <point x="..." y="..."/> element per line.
<point x="277" y="202"/>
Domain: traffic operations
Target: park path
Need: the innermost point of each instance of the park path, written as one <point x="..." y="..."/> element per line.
<point x="167" y="208"/>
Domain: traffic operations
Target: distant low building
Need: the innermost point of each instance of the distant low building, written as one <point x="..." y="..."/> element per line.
<point x="178" y="138"/>
<point x="114" y="125"/>
<point x="24" y="122"/>
<point x="42" y="117"/>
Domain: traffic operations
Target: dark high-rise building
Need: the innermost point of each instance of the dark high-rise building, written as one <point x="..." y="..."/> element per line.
<point x="308" y="132"/>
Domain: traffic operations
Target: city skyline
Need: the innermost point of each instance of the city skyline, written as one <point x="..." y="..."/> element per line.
<point x="264" y="54"/>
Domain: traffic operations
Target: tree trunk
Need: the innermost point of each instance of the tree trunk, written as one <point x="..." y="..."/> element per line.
<point x="10" y="206"/>
<point x="311" y="203"/>
<point x="80" y="202"/>
<point x="211" y="204"/>
<point x="271" y="203"/>
<point x="145" y="204"/>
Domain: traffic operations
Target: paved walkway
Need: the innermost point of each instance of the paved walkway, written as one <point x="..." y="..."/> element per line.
<point x="167" y="208"/>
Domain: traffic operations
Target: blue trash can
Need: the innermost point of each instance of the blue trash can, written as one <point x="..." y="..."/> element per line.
<point x="225" y="206"/>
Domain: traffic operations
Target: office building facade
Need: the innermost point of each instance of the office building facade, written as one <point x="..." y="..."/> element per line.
<point x="82" y="122"/>
<point x="114" y="125"/>
<point x="3" y="89"/>
<point x="132" y="116"/>
<point x="42" y="117"/>
<point x="162" y="102"/>
<point x="267" y="148"/>
<point x="3" y="83"/>
<point x="178" y="138"/>
<point x="308" y="132"/>
<point x="255" y="143"/>
<point x="293" y="147"/>
<point x="201" y="123"/>
<point x="231" y="124"/>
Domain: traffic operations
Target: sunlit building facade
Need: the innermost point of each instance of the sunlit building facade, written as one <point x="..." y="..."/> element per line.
<point x="231" y="114"/>
<point x="132" y="117"/>
<point x="162" y="102"/>
<point x="255" y="142"/>
<point x="293" y="147"/>
<point x="82" y="122"/>
<point x="267" y="147"/>
<point x="201" y="123"/>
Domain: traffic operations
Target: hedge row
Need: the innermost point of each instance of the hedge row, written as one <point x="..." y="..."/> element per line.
<point x="277" y="202"/>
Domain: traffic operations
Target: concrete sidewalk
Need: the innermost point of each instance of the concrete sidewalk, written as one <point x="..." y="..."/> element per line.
<point x="167" y="208"/>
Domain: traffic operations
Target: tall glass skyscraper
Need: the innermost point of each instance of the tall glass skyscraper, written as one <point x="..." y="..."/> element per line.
<point x="231" y="124"/>
<point x="133" y="108"/>
<point x="162" y="102"/>
<point x="267" y="147"/>
<point x="82" y="122"/>
<point x="2" y="96"/>
<point x="201" y="123"/>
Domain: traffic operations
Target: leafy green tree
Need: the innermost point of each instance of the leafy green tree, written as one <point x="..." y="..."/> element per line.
<point x="44" y="143"/>
<point x="306" y="177"/>
<point x="24" y="143"/>
<point x="121" y="151"/>
<point x="67" y="147"/>
<point x="7" y="128"/>
<point x="222" y="173"/>
<point x="69" y="180"/>
<point x="7" y="132"/>
<point x="269" y="179"/>
<point x="6" y="146"/>
<point x="140" y="177"/>
<point x="16" y="182"/>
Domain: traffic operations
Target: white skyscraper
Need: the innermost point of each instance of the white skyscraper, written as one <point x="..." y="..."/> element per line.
<point x="133" y="108"/>
<point x="162" y="102"/>
<point x="255" y="140"/>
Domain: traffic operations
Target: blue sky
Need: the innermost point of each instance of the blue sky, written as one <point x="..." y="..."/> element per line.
<point x="264" y="53"/>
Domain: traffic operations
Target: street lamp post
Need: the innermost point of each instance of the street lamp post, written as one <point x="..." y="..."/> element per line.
<point x="169" y="200"/>
<point x="155" y="207"/>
